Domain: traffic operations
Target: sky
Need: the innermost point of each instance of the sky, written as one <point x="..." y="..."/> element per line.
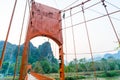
<point x="100" y="31"/>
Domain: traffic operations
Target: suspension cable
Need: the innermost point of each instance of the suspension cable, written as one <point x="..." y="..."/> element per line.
<point x="92" y="19"/>
<point x="112" y="5"/>
<point x="112" y="50"/>
<point x="9" y="63"/>
<point x="75" y="6"/>
<point x="85" y="9"/>
<point x="70" y="4"/>
<point x="89" y="42"/>
<point x="74" y="46"/>
<point x="19" y="42"/>
<point x="103" y="14"/>
<point x="5" y="43"/>
<point x="115" y="32"/>
<point x="56" y="3"/>
<point x="29" y="4"/>
<point x="29" y="19"/>
<point x="89" y="6"/>
<point x="65" y="43"/>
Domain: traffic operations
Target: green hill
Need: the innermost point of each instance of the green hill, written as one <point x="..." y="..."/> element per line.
<point x="41" y="58"/>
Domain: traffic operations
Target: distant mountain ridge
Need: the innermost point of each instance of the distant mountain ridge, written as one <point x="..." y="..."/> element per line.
<point x="34" y="53"/>
<point x="41" y="58"/>
<point x="44" y="51"/>
<point x="115" y="55"/>
<point x="10" y="48"/>
<point x="108" y="55"/>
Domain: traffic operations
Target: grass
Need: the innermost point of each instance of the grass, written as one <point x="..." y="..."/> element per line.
<point x="10" y="78"/>
<point x="85" y="75"/>
<point x="109" y="74"/>
<point x="79" y="75"/>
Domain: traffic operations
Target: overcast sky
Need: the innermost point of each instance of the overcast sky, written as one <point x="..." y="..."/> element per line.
<point x="100" y="30"/>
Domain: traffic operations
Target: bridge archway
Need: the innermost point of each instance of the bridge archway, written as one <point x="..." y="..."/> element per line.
<point x="44" y="21"/>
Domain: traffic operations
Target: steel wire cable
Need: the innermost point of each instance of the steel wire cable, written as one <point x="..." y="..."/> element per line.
<point x="89" y="42"/>
<point x="74" y="45"/>
<point x="19" y="42"/>
<point x="65" y="45"/>
<point x="103" y="14"/>
<point x="92" y="19"/>
<point x="112" y="5"/>
<point x="94" y="52"/>
<point x="9" y="27"/>
<point x="84" y="9"/>
<point x="113" y="27"/>
<point x="70" y="5"/>
<point x="75" y="6"/>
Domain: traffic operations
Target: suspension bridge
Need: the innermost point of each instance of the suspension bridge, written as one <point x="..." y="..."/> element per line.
<point x="58" y="25"/>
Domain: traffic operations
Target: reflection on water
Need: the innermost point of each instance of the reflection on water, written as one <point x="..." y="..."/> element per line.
<point x="110" y="78"/>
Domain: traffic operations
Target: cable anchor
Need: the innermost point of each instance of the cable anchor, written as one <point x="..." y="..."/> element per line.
<point x="82" y="6"/>
<point x="103" y="1"/>
<point x="64" y="15"/>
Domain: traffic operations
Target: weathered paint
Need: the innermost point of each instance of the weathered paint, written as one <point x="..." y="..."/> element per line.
<point x="44" y="21"/>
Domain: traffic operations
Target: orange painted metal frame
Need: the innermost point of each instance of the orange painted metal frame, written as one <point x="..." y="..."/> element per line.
<point x="44" y="21"/>
<point x="40" y="77"/>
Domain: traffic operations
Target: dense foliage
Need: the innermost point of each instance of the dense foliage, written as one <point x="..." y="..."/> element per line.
<point x="106" y="65"/>
<point x="43" y="61"/>
<point x="41" y="58"/>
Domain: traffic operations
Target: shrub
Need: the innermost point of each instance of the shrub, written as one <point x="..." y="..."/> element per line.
<point x="108" y="74"/>
<point x="74" y="77"/>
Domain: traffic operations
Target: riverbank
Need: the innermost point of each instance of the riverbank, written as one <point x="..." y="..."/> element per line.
<point x="111" y="75"/>
<point x="101" y="75"/>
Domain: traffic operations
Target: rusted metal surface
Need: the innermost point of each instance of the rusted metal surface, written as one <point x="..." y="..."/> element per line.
<point x="44" y="21"/>
<point x="40" y="76"/>
<point x="24" y="63"/>
<point x="61" y="58"/>
<point x="35" y="76"/>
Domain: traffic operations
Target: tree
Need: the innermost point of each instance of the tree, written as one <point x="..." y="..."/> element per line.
<point x="105" y="65"/>
<point x="72" y="66"/>
<point x="46" y="66"/>
<point x="82" y="66"/>
<point x="54" y="68"/>
<point x="37" y="67"/>
<point x="4" y="67"/>
<point x="11" y="69"/>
